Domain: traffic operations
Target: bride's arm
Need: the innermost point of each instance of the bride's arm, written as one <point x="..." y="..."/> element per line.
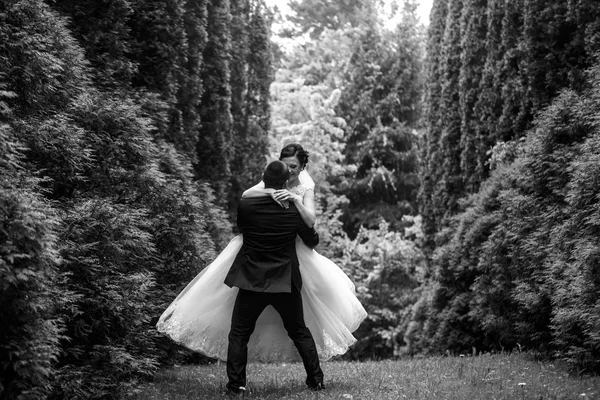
<point x="258" y="190"/>
<point x="306" y="207"/>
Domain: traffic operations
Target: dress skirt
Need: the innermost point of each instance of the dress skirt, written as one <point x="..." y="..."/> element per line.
<point x="200" y="317"/>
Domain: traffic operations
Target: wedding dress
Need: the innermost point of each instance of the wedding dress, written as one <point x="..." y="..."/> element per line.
<point x="200" y="317"/>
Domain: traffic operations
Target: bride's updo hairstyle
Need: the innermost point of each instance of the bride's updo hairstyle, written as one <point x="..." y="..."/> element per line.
<point x="294" y="149"/>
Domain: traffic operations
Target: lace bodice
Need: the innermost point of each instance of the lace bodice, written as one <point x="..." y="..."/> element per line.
<point x="299" y="189"/>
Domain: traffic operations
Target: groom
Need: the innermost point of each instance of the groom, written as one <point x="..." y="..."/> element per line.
<point x="267" y="273"/>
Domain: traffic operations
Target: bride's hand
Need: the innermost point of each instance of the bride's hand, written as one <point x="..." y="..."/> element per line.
<point x="284" y="194"/>
<point x="282" y="203"/>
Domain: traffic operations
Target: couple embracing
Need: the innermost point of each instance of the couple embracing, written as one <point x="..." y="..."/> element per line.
<point x="269" y="296"/>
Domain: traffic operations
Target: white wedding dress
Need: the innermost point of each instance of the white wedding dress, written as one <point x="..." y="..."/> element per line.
<point x="200" y="317"/>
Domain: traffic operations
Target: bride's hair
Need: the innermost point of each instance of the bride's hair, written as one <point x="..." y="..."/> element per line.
<point x="294" y="149"/>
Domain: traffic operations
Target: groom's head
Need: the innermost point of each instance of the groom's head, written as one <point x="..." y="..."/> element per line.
<point x="276" y="174"/>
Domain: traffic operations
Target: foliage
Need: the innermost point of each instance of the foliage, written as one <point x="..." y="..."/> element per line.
<point x="29" y="334"/>
<point x="128" y="225"/>
<point x="102" y="30"/>
<point x="497" y="224"/>
<point x="386" y="266"/>
<point x="517" y="265"/>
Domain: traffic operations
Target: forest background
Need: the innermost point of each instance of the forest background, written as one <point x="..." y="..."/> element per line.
<point x="457" y="172"/>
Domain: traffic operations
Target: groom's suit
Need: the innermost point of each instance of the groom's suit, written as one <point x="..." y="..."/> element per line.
<point x="267" y="272"/>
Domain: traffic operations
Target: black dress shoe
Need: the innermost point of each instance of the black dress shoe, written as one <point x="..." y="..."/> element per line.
<point x="235" y="390"/>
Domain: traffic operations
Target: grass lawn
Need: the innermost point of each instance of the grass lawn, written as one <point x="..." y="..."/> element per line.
<point x="489" y="377"/>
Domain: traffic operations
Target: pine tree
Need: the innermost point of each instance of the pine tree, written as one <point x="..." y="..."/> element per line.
<point x="381" y="104"/>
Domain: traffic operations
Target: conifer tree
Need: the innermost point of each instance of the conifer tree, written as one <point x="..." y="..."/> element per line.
<point x="102" y="30"/>
<point x="450" y="186"/>
<point x="160" y="48"/>
<point x="133" y="225"/>
<point x="430" y="154"/>
<point x="190" y="84"/>
<point x="29" y="330"/>
<point x="512" y="121"/>
<point x="586" y="16"/>
<point x="215" y="140"/>
<point x="554" y="55"/>
<point x="473" y="55"/>
<point x="381" y="104"/>
<point x="250" y="80"/>
<point x="488" y="105"/>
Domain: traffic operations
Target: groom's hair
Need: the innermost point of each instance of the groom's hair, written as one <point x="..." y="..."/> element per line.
<point x="276" y="174"/>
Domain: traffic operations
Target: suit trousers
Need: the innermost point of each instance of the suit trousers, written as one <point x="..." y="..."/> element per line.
<point x="248" y="307"/>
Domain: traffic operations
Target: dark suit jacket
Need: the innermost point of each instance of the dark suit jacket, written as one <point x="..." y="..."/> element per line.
<point x="267" y="261"/>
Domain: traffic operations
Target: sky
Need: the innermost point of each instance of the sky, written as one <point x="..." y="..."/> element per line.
<point x="422" y="10"/>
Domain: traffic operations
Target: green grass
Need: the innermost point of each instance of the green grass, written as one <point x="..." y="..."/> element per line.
<point x="484" y="377"/>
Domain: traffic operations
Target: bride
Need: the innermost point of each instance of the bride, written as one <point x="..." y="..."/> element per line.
<point x="200" y="317"/>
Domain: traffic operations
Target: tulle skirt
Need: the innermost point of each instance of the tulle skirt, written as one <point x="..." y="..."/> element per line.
<point x="200" y="317"/>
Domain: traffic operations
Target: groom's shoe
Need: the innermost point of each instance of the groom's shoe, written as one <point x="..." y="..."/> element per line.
<point x="235" y="390"/>
<point x="316" y="386"/>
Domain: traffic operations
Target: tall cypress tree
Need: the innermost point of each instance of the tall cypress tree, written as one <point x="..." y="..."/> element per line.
<point x="431" y="156"/>
<point x="473" y="55"/>
<point x="251" y="77"/>
<point x="586" y="15"/>
<point x="450" y="186"/>
<point x="488" y="106"/>
<point x="555" y="53"/>
<point x="509" y="77"/>
<point x="190" y="81"/>
<point x="215" y="141"/>
<point x="159" y="48"/>
<point x="240" y="19"/>
<point x="103" y="31"/>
